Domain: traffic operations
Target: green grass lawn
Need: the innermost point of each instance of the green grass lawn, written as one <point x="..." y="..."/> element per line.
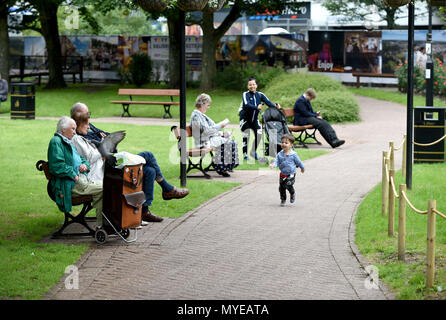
<point x="394" y="96"/>
<point x="57" y="103"/>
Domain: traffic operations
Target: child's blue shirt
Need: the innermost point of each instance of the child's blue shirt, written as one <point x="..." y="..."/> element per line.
<point x="288" y="163"/>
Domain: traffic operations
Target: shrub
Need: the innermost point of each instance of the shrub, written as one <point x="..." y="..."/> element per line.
<point x="140" y="68"/>
<point x="235" y="76"/>
<point x="439" y="77"/>
<point x="401" y="73"/>
<point x="335" y="101"/>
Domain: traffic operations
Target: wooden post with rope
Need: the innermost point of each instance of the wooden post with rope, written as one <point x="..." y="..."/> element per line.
<point x="384" y="185"/>
<point x="403" y="166"/>
<point x="391" y="223"/>
<point x="402" y="224"/>
<point x="392" y="155"/>
<point x="430" y="255"/>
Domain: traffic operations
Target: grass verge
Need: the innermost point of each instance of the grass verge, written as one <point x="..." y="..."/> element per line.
<point x="406" y="279"/>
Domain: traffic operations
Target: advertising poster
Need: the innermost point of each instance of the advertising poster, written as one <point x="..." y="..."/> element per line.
<point x="362" y="52"/>
<point x="394" y="46"/>
<point x="326" y="51"/>
<point x="344" y="51"/>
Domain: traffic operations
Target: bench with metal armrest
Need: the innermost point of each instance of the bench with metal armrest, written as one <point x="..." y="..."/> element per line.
<point x="194" y="153"/>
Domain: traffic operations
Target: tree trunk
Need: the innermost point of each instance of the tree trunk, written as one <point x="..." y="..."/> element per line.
<point x="211" y="37"/>
<point x="209" y="63"/>
<point x="4" y="42"/>
<point x="390" y="18"/>
<point x="50" y="31"/>
<point x="174" y="52"/>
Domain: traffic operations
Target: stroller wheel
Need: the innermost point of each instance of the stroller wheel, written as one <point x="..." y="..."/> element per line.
<point x="125" y="233"/>
<point x="101" y="236"/>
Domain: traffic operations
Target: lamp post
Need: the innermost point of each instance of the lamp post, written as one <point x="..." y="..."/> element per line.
<point x="183" y="156"/>
<point x="409" y="128"/>
<point x="429" y="64"/>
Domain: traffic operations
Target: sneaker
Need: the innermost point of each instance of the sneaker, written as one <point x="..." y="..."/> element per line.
<point x="144" y="223"/>
<point x="293" y="198"/>
<point x="246" y="158"/>
<point x="282" y="203"/>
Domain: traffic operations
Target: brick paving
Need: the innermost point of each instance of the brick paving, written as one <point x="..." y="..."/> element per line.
<point x="243" y="245"/>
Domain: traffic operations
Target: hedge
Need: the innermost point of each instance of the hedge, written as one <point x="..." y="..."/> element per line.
<point x="335" y="101"/>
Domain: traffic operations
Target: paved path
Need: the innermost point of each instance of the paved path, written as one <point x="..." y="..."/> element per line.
<point x="243" y="245"/>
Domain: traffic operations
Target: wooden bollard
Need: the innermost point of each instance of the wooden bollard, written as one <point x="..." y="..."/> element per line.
<point x="391" y="223"/>
<point x="430" y="255"/>
<point x="403" y="166"/>
<point x="402" y="224"/>
<point x="392" y="155"/>
<point x="384" y="186"/>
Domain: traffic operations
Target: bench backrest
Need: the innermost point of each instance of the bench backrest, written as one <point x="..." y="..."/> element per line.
<point x="288" y="112"/>
<point x="177" y="131"/>
<point x="42" y="165"/>
<point x="149" y="92"/>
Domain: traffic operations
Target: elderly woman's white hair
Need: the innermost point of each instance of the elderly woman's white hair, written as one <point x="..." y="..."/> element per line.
<point x="202" y="99"/>
<point x="78" y="107"/>
<point x="64" y="123"/>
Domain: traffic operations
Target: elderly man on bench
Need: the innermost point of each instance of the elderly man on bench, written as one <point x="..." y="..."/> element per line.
<point x="304" y="114"/>
<point x="151" y="170"/>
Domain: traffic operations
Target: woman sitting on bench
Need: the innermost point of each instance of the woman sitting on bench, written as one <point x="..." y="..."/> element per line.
<point x="207" y="133"/>
<point x="69" y="170"/>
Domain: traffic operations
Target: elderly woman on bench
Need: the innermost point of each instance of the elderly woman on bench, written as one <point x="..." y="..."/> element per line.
<point x="207" y="133"/>
<point x="69" y="170"/>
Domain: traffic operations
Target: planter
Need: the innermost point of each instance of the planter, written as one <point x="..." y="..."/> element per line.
<point x="395" y="3"/>
<point x="153" y="5"/>
<point x="213" y="5"/>
<point x="191" y="5"/>
<point x="437" y="3"/>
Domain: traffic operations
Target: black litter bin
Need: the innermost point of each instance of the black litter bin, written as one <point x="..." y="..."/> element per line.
<point x="429" y="127"/>
<point x="23" y="102"/>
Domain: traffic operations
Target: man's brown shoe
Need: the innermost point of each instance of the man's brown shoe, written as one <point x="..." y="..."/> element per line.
<point x="175" y="194"/>
<point x="150" y="217"/>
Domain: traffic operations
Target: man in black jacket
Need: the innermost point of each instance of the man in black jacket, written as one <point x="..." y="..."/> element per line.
<point x="304" y="114"/>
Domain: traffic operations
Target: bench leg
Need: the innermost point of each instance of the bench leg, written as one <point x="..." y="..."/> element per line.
<point x="199" y="166"/>
<point x="167" y="112"/>
<point x="299" y="140"/>
<point x="125" y="109"/>
<point x="311" y="135"/>
<point x="81" y="219"/>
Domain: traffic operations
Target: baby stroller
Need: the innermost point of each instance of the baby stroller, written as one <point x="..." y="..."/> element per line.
<point x="275" y="126"/>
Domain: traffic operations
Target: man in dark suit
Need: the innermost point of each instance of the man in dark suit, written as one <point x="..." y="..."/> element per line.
<point x="304" y="114"/>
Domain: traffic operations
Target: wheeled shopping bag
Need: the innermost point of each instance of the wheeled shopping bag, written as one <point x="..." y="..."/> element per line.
<point x="122" y="201"/>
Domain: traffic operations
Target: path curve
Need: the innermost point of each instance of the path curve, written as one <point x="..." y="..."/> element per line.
<point x="243" y="245"/>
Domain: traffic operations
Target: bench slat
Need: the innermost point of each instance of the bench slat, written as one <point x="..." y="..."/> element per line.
<point x="149" y="92"/>
<point x="147" y="102"/>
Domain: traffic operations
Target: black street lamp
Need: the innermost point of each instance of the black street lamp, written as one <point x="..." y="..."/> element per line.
<point x="409" y="128"/>
<point x="429" y="64"/>
<point x="183" y="156"/>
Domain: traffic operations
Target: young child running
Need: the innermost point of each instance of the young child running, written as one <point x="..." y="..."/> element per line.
<point x="287" y="160"/>
<point x="248" y="112"/>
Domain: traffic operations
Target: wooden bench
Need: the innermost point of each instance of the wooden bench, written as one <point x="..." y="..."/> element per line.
<point x="194" y="153"/>
<point x="358" y="75"/>
<point x="39" y="76"/>
<point x="303" y="133"/>
<point x="85" y="201"/>
<point x="148" y="92"/>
